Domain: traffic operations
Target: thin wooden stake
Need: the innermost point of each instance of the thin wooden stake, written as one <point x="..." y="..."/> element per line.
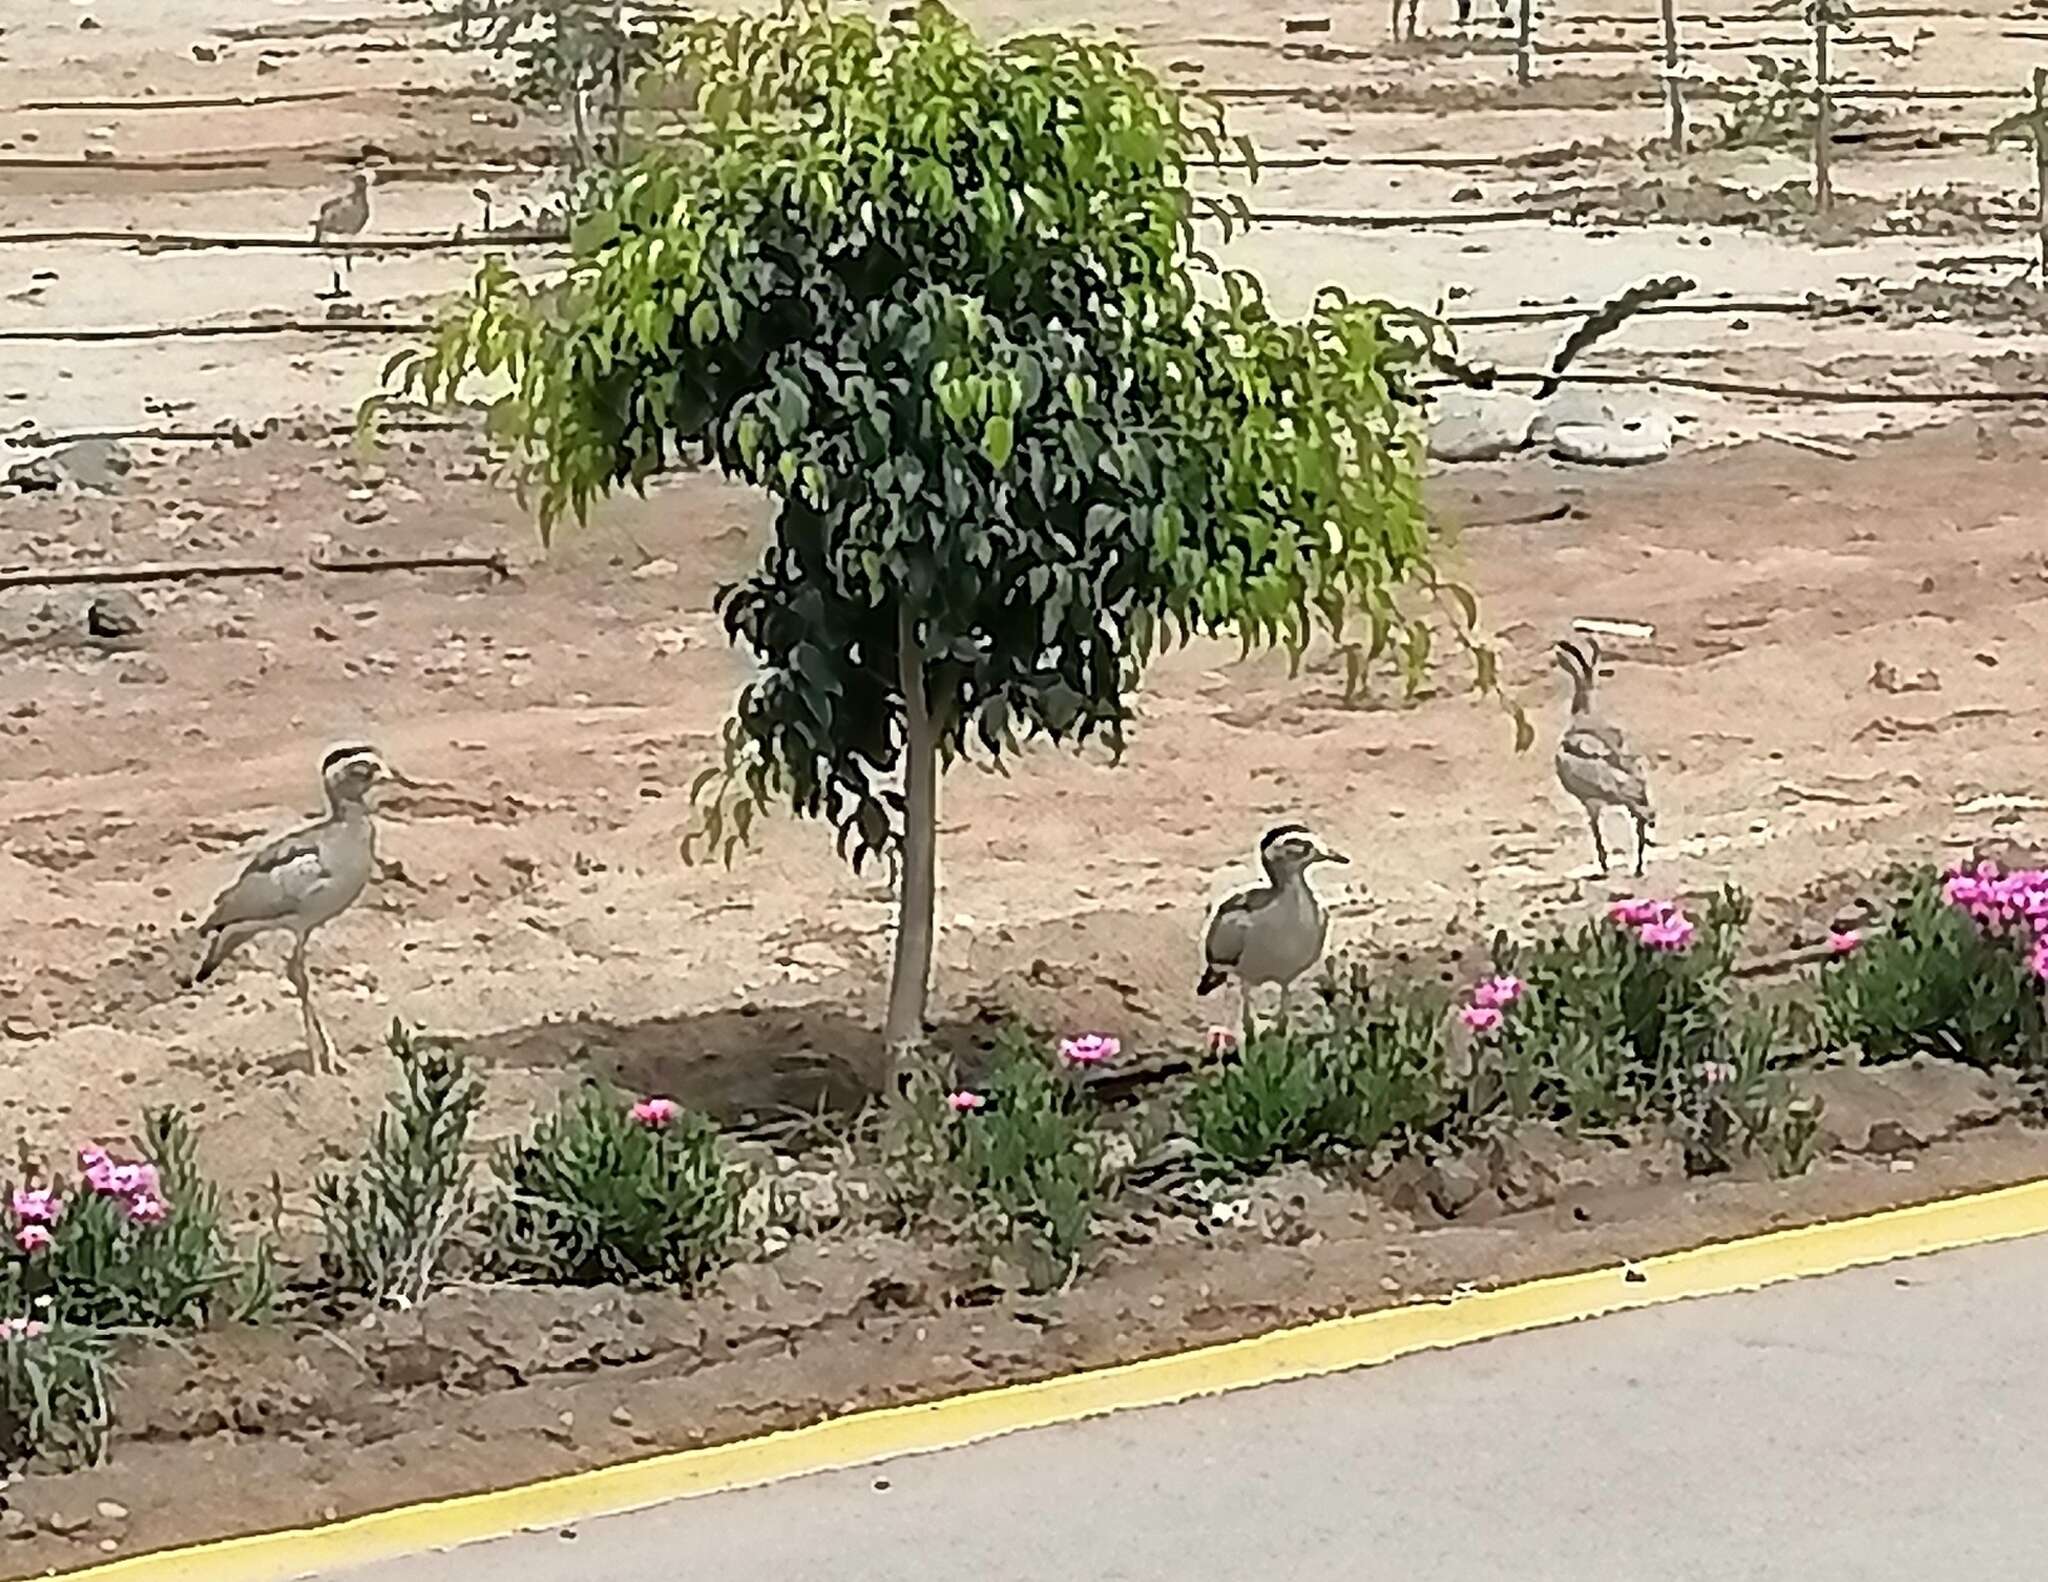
<point x="1824" y="111"/>
<point x="2041" y="164"/>
<point x="1525" y="43"/>
<point x="1674" y="91"/>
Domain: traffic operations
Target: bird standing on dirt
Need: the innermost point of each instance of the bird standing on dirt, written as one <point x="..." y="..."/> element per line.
<point x="343" y="217"/>
<point x="302" y="880"/>
<point x="1593" y="759"/>
<point x="1274" y="932"/>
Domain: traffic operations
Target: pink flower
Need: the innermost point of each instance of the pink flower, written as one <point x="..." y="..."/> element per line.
<point x="133" y="1181"/>
<point x="1716" y="1073"/>
<point x="655" y="1114"/>
<point x="20" y="1328"/>
<point x="1481" y="1018"/>
<point x="1668" y="933"/>
<point x="34" y="1238"/>
<point x="146" y="1208"/>
<point x="1496" y="992"/>
<point x="965" y="1103"/>
<point x="1634" y="913"/>
<point x="98" y="1168"/>
<point x="37" y="1208"/>
<point x="1090" y="1049"/>
<point x="1222" y="1041"/>
<point x="1843" y="940"/>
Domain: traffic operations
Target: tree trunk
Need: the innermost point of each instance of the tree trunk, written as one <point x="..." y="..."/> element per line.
<point x="916" y="892"/>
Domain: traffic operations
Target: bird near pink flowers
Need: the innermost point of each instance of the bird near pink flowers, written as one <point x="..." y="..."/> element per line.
<point x="655" y="1114"/>
<point x="965" y="1103"/>
<point x="1090" y="1049"/>
<point x="40" y="1207"/>
<point x="34" y="1238"/>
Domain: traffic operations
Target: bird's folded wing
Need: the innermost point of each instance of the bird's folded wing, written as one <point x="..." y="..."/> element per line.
<point x="277" y="880"/>
<point x="1599" y="753"/>
<point x="1227" y="929"/>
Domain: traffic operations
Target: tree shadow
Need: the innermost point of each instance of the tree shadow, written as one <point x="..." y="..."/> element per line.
<point x="747" y="1065"/>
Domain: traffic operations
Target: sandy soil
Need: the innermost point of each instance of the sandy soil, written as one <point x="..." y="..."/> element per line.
<point x="538" y="909"/>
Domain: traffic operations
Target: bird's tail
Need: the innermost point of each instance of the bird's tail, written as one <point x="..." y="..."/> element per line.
<point x="1212" y="979"/>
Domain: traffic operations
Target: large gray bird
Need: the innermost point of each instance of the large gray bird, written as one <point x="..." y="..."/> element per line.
<point x="302" y="880"/>
<point x="1274" y="932"/>
<point x="1593" y="759"/>
<point x="343" y="217"/>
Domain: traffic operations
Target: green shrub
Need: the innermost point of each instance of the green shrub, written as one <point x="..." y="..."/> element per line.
<point x="1951" y="972"/>
<point x="1634" y="1019"/>
<point x="55" y="1395"/>
<point x="1376" y="1071"/>
<point x="1614" y="1017"/>
<point x="393" y="1224"/>
<point x="603" y="1192"/>
<point x="130" y="1244"/>
<point x="1024" y="1152"/>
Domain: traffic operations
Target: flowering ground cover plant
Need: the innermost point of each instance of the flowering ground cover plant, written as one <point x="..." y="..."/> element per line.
<point x="1959" y="968"/>
<point x="122" y="1242"/>
<point x="611" y="1191"/>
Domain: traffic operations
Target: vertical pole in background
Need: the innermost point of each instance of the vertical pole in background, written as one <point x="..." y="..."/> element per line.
<point x="1674" y="91"/>
<point x="619" y="83"/>
<point x="2041" y="164"/>
<point x="1525" y="43"/>
<point x="1823" y="111"/>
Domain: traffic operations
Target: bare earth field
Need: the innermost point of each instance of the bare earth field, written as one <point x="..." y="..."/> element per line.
<point x="538" y="909"/>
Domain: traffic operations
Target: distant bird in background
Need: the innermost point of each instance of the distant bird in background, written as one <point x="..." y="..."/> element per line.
<point x="1594" y="762"/>
<point x="302" y="880"/>
<point x="343" y="217"/>
<point x="1274" y="932"/>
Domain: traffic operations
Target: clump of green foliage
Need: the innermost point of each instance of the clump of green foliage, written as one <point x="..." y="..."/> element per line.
<point x="1775" y="108"/>
<point x="56" y="1405"/>
<point x="608" y="1192"/>
<point x="1026" y="1156"/>
<point x="393" y="1224"/>
<point x="1374" y="1072"/>
<point x="1952" y="970"/>
<point x="1636" y="1018"/>
<point x="130" y="1244"/>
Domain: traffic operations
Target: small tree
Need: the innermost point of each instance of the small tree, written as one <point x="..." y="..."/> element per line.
<point x="940" y="301"/>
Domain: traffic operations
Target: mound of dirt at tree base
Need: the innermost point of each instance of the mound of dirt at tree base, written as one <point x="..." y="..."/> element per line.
<point x="484" y="1386"/>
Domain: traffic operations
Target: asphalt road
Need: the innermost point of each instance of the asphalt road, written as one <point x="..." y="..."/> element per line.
<point x="1888" y="1423"/>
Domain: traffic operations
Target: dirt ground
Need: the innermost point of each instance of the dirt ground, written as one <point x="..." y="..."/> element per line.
<point x="537" y="907"/>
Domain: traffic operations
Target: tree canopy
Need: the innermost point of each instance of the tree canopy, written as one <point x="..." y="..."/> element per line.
<point x="944" y="302"/>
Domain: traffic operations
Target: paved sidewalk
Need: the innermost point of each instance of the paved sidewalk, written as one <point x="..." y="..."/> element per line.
<point x="1885" y="1425"/>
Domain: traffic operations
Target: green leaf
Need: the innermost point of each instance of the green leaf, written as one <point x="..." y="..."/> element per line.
<point x="997" y="439"/>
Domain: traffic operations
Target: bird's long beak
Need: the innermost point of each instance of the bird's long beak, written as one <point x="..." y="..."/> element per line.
<point x="410" y="784"/>
<point x="1330" y="854"/>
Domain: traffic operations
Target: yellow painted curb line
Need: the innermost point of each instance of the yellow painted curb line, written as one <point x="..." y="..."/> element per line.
<point x="1328" y="1347"/>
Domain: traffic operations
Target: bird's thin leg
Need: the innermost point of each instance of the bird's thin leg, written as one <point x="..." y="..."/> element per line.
<point x="1599" y="844"/>
<point x="1286" y="1006"/>
<point x="1244" y="1011"/>
<point x="317" y="1044"/>
<point x="1642" y="843"/>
